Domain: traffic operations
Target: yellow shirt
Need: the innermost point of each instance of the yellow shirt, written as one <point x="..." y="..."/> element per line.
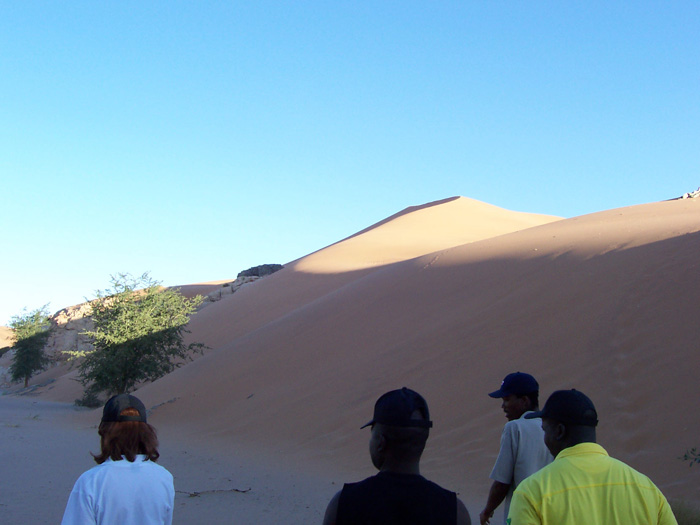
<point x="586" y="486"/>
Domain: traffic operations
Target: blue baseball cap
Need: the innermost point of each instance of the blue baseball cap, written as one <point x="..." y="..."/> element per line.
<point x="516" y="384"/>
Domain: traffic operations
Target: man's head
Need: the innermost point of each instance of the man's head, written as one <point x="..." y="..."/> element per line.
<point x="568" y="418"/>
<point x="400" y="429"/>
<point x="519" y="392"/>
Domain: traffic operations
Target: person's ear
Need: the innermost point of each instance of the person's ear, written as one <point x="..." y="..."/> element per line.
<point x="560" y="432"/>
<point x="381" y="443"/>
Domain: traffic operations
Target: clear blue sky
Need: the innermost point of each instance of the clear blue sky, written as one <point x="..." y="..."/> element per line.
<point x="196" y="139"/>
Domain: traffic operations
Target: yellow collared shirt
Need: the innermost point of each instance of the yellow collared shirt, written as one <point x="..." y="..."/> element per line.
<point x="585" y="485"/>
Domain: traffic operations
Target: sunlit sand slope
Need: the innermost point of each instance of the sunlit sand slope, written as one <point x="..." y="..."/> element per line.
<point x="607" y="303"/>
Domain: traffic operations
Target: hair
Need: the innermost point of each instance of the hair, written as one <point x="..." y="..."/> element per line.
<point x="406" y="443"/>
<point x="534" y="398"/>
<point x="126" y="439"/>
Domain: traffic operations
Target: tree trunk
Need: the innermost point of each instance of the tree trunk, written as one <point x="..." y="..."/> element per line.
<point x="26" y="382"/>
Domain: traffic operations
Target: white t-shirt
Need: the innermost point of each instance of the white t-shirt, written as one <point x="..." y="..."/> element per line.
<point x="138" y="492"/>
<point x="522" y="453"/>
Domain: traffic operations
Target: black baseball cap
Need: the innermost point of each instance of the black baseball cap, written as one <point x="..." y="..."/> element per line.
<point x="516" y="384"/>
<point x="569" y="407"/>
<point x="118" y="403"/>
<point x="395" y="408"/>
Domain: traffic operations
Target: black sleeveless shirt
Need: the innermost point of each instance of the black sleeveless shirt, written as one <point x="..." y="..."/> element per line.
<point x="401" y="499"/>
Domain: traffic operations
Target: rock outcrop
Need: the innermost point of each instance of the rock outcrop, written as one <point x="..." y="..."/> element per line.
<point x="261" y="270"/>
<point x="228" y="289"/>
<point x="692" y="195"/>
<point x="68" y="326"/>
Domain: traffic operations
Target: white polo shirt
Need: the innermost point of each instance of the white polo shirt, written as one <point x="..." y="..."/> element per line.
<point x="522" y="453"/>
<point x="138" y="492"/>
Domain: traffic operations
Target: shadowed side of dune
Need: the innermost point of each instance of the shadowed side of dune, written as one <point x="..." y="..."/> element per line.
<point x="605" y="303"/>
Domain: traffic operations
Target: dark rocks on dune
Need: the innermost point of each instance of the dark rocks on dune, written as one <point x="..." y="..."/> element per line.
<point x="261" y="270"/>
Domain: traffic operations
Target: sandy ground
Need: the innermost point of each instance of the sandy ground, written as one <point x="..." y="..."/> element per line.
<point x="445" y="298"/>
<point x="45" y="446"/>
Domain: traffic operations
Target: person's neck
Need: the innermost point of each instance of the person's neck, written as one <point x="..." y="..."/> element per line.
<point x="576" y="440"/>
<point x="401" y="467"/>
<point x="580" y="435"/>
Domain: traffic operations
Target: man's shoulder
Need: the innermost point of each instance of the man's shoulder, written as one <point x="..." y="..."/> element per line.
<point x="158" y="470"/>
<point x="392" y="478"/>
<point x="152" y="465"/>
<point x="90" y="474"/>
<point x="367" y="481"/>
<point x="640" y="478"/>
<point x="521" y="426"/>
<point x="363" y="486"/>
<point x="434" y="485"/>
<point x="539" y="478"/>
<point x="511" y="426"/>
<point x="523" y="422"/>
<point x="570" y="460"/>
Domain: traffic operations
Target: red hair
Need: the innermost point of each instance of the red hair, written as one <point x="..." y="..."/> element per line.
<point x="127" y="439"/>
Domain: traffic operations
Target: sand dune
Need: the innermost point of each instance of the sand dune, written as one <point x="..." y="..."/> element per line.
<point x="416" y="231"/>
<point x="6" y="337"/>
<point x="605" y="303"/>
<point x="411" y="233"/>
<point x="447" y="298"/>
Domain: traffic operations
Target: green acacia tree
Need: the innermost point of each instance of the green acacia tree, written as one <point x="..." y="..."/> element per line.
<point x="31" y="331"/>
<point x="138" y="335"/>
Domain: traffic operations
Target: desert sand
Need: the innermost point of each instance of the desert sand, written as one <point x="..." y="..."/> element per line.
<point x="445" y="298"/>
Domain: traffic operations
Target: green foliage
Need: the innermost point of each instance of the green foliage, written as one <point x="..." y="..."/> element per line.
<point x="90" y="399"/>
<point x="32" y="331"/>
<point x="137" y="336"/>
<point x="691" y="455"/>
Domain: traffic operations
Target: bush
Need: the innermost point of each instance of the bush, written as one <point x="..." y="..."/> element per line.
<point x="31" y="330"/>
<point x="90" y="399"/>
<point x="137" y="335"/>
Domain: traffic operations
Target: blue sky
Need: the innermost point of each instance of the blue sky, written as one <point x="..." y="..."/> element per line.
<point x="196" y="139"/>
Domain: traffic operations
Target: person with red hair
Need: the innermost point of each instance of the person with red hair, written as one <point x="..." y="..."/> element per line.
<point x="126" y="486"/>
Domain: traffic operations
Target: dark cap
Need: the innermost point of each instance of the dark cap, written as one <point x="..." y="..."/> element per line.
<point x="118" y="403"/>
<point x="395" y="408"/>
<point x="570" y="407"/>
<point x="516" y="384"/>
